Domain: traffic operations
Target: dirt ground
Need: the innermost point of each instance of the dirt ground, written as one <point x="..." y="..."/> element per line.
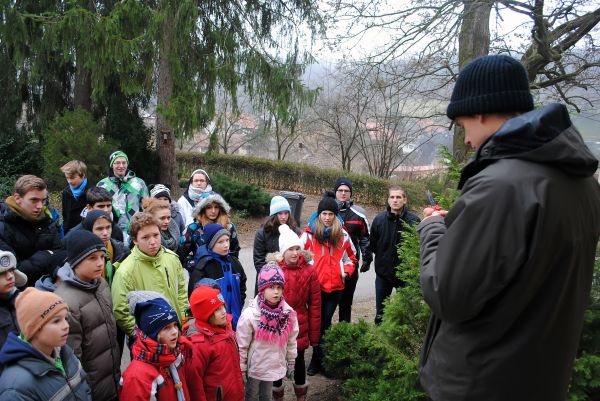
<point x="320" y="387"/>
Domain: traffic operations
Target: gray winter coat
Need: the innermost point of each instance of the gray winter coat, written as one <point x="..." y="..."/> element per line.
<point x="508" y="272"/>
<point x="92" y="332"/>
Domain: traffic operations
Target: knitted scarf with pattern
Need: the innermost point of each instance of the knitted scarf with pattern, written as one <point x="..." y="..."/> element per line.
<point x="166" y="359"/>
<point x="275" y="323"/>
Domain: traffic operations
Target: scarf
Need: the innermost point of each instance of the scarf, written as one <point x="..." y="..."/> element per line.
<point x="196" y="193"/>
<point x="166" y="359"/>
<point x="274" y="322"/>
<point x="200" y="325"/>
<point x="19" y="211"/>
<point x="170" y="237"/>
<point x="79" y="190"/>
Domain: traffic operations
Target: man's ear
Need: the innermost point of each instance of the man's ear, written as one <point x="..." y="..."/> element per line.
<point x="17" y="198"/>
<point x="88" y="207"/>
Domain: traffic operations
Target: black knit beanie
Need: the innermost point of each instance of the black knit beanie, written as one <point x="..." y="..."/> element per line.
<point x="342" y="181"/>
<point x="80" y="244"/>
<point x="328" y="203"/>
<point x="490" y="84"/>
<point x="92" y="216"/>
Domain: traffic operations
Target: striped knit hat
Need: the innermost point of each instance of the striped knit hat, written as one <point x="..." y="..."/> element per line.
<point x="279" y="204"/>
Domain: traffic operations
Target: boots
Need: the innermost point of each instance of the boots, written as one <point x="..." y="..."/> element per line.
<point x="301" y="391"/>
<point x="278" y="392"/>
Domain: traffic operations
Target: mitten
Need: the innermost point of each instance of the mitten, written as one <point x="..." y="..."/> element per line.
<point x="291" y="365"/>
<point x="365" y="267"/>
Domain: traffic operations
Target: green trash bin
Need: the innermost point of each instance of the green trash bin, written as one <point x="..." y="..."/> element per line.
<point x="296" y="200"/>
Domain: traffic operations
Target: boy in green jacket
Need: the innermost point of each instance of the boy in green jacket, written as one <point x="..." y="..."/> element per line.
<point x="149" y="267"/>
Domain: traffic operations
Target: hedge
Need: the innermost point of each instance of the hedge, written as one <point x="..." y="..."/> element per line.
<point x="297" y="177"/>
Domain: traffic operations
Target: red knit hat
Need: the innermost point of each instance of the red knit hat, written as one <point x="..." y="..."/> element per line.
<point x="204" y="302"/>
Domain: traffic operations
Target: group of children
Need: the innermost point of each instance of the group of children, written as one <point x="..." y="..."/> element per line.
<point x="189" y="337"/>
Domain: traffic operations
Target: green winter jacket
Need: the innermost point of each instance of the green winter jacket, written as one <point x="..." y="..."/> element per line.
<point x="127" y="193"/>
<point x="161" y="273"/>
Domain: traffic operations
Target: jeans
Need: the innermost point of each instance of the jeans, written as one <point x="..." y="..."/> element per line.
<point x="345" y="313"/>
<point x="329" y="301"/>
<point x="383" y="289"/>
<point x="258" y="390"/>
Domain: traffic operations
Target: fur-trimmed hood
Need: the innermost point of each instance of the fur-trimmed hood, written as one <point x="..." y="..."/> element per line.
<point x="210" y="199"/>
<point x="278" y="256"/>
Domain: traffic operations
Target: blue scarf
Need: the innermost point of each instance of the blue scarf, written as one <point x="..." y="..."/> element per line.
<point x="79" y="190"/>
<point x="225" y="263"/>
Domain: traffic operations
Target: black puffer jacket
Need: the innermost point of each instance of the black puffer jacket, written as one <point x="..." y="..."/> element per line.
<point x="508" y="272"/>
<point x="30" y="242"/>
<point x="386" y="235"/>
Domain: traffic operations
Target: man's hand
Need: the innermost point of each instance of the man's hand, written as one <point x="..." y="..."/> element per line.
<point x="434" y="211"/>
<point x="365" y="267"/>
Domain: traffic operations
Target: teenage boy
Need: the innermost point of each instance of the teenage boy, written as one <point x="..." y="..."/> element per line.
<point x="507" y="271"/>
<point x="126" y="190"/>
<point x="150" y="267"/>
<point x="92" y="327"/>
<point x="97" y="198"/>
<point x="73" y="196"/>
<point x="28" y="231"/>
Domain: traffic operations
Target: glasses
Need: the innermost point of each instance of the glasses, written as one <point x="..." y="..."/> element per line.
<point x="344" y="190"/>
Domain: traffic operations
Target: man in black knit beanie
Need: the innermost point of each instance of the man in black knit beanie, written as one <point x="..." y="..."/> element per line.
<point x="507" y="270"/>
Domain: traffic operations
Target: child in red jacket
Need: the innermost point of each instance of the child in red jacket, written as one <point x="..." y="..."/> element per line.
<point x="214" y="370"/>
<point x="303" y="293"/>
<point x="158" y="354"/>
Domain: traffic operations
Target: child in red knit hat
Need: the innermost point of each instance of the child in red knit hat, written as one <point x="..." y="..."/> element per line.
<point x="214" y="371"/>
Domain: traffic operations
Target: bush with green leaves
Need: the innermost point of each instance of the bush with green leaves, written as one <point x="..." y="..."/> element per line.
<point x="298" y="177"/>
<point x="74" y="136"/>
<point x="241" y="196"/>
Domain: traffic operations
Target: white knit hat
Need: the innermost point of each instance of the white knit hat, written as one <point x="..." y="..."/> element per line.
<point x="279" y="204"/>
<point x="287" y="238"/>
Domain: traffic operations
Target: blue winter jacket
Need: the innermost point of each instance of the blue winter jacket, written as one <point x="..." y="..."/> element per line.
<point x="29" y="375"/>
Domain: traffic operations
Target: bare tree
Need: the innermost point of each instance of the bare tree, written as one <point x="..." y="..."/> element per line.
<point x="556" y="41"/>
<point x="341" y="110"/>
<point x="395" y="122"/>
<point x="234" y="127"/>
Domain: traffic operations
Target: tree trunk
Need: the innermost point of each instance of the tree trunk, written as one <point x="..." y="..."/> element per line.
<point x="473" y="42"/>
<point x="165" y="138"/>
<point x="82" y="92"/>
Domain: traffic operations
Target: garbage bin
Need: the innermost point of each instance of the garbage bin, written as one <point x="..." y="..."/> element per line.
<point x="296" y="200"/>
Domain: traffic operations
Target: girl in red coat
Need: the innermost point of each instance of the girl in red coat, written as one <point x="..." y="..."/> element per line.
<point x="214" y="372"/>
<point x="334" y="260"/>
<point x="158" y="353"/>
<point x="303" y="293"/>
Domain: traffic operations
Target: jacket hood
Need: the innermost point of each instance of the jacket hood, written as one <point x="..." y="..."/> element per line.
<point x="45" y="283"/>
<point x="277" y="257"/>
<point x="15" y="349"/>
<point x="545" y="136"/>
<point x="209" y="200"/>
<point x="202" y="253"/>
<point x="66" y="274"/>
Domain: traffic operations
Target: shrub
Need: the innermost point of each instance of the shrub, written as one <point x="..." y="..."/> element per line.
<point x="298" y="177"/>
<point x="74" y="136"/>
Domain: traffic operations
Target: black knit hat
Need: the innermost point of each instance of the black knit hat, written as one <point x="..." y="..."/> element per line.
<point x="328" y="203"/>
<point x="92" y="216"/>
<point x="342" y="181"/>
<point x="490" y="84"/>
<point x="80" y="244"/>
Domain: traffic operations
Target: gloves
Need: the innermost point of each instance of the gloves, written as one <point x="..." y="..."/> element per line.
<point x="291" y="365"/>
<point x="365" y="267"/>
